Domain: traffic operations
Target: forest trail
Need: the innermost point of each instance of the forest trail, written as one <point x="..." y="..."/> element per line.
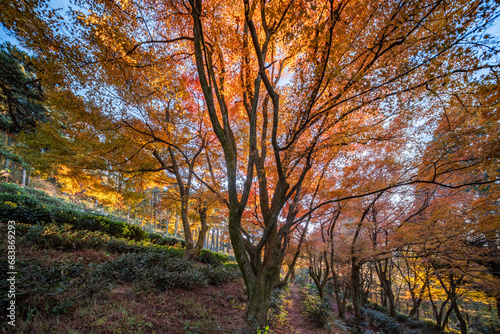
<point x="298" y="323"/>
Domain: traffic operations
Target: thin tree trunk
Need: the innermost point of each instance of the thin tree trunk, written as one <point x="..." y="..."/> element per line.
<point x="387" y="288"/>
<point x="176" y="225"/>
<point x="355" y="269"/>
<point x="217" y="240"/>
<point x="319" y="275"/>
<point x="291" y="266"/>
<point x="24" y="177"/>
<point x="194" y="253"/>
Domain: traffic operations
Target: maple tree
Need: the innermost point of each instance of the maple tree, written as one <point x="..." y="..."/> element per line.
<point x="284" y="98"/>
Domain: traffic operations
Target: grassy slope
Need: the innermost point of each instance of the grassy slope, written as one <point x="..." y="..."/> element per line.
<point x="72" y="280"/>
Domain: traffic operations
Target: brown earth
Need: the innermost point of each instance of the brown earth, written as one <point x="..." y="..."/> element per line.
<point x="127" y="309"/>
<point x="298" y="322"/>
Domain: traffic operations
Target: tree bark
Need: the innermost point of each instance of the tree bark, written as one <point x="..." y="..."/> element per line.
<point x="386" y="286"/>
<point x="257" y="307"/>
<point x="355" y="295"/>
<point x="318" y="274"/>
<point x="337" y="291"/>
<point x="195" y="252"/>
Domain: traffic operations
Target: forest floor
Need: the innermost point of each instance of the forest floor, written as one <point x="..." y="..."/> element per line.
<point x="138" y="308"/>
<point x="135" y="307"/>
<point x="298" y="322"/>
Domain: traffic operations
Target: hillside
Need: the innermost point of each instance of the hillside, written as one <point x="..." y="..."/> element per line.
<point x="84" y="272"/>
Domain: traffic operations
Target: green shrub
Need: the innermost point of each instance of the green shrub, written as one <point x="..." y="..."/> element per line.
<point x="11" y="188"/>
<point x="402" y="318"/>
<point x="381" y="320"/>
<point x="28" y="209"/>
<point x="318" y="310"/>
<point x="159" y="239"/>
<point x="217" y="275"/>
<point x="225" y="258"/>
<point x="65" y="238"/>
<point x="377" y="307"/>
<point x="161" y="270"/>
<point x="55" y="288"/>
<point x="187" y="279"/>
<point x="209" y="257"/>
<point x="277" y="307"/>
<point x="429" y="326"/>
<point x="213" y="258"/>
<point x="232" y="265"/>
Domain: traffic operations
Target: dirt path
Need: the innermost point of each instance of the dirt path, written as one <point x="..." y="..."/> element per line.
<point x="298" y="323"/>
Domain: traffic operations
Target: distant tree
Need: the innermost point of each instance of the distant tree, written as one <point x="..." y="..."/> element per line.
<point x="21" y="96"/>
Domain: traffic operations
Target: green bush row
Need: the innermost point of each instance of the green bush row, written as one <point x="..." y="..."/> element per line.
<point x="165" y="272"/>
<point x="29" y="210"/>
<point x="318" y="310"/>
<point x="380" y="320"/>
<point x="159" y="239"/>
<point x="25" y="208"/>
<point x="377" y="316"/>
<point x="11" y="188"/>
<point x="213" y="258"/>
<point x="56" y="288"/>
<point x="217" y="275"/>
<point x="64" y="238"/>
<point x="30" y="206"/>
<point x="277" y="306"/>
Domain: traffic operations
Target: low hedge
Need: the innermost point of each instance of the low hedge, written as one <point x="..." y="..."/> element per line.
<point x="377" y="316"/>
<point x="277" y="305"/>
<point x="213" y="258"/>
<point x="65" y="238"/>
<point x="33" y="207"/>
<point x="217" y="275"/>
<point x="381" y="320"/>
<point x="159" y="239"/>
<point x="318" y="310"/>
<point x="29" y="210"/>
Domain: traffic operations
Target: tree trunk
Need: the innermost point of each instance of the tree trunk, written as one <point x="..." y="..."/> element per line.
<point x="259" y="297"/>
<point x="187" y="228"/>
<point x="176" y="225"/>
<point x="317" y="273"/>
<point x="387" y="288"/>
<point x="414" y="310"/>
<point x="195" y="252"/>
<point x="217" y="240"/>
<point x="167" y="223"/>
<point x="355" y="269"/>
<point x="461" y="320"/>
<point x="291" y="267"/>
<point x="24" y="177"/>
<point x="414" y="313"/>
<point x="7" y="160"/>
<point x="340" y="301"/>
